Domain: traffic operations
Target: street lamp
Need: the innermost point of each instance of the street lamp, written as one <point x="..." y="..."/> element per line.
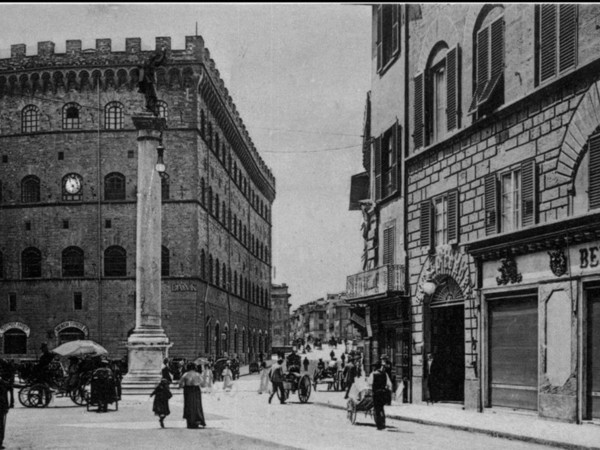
<point x="160" y="164"/>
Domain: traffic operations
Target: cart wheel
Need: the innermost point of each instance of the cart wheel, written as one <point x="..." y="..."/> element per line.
<point x="80" y="395"/>
<point x="39" y="396"/>
<point x="24" y="396"/>
<point x="286" y="394"/>
<point x="304" y="388"/>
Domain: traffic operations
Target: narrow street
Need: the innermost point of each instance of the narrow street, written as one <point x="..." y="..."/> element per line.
<point x="239" y="419"/>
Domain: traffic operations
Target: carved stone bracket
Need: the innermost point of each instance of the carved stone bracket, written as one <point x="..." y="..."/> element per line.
<point x="508" y="271"/>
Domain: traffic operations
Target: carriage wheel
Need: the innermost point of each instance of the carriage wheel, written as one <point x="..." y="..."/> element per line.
<point x="24" y="396"/>
<point x="81" y="394"/>
<point x="304" y="388"/>
<point x="39" y="396"/>
<point x="286" y="394"/>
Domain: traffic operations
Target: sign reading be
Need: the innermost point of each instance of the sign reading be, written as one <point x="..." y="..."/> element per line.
<point x="589" y="257"/>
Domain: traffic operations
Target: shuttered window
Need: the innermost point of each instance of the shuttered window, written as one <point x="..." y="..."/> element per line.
<point x="388" y="245"/>
<point x="453" y="214"/>
<point x="387" y="163"/>
<point x="489" y="64"/>
<point x="439" y="220"/>
<point x="387" y="21"/>
<point x="594" y="171"/>
<point x="378" y="168"/>
<point x="556" y="39"/>
<point x="425" y="223"/>
<point x="511" y="199"/>
<point x="419" y="114"/>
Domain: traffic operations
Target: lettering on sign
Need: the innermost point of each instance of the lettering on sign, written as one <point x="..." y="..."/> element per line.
<point x="17" y="325"/>
<point x="183" y="287"/>
<point x="589" y="257"/>
<point x="70" y="324"/>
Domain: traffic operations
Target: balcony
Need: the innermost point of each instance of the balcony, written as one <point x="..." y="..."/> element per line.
<point x="388" y="279"/>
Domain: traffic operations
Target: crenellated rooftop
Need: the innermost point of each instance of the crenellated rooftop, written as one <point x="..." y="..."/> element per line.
<point x="103" y="55"/>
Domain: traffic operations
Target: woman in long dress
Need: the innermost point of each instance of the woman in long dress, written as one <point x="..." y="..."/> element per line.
<point x="192" y="397"/>
<point x="227" y="376"/>
<point x="264" y="378"/>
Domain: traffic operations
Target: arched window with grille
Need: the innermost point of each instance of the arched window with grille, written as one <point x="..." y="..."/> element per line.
<point x="114" y="186"/>
<point x="31" y="263"/>
<point x="30" y="189"/>
<point x="113" y="116"/>
<point x="70" y="334"/>
<point x="115" y="261"/>
<point x="30" y="119"/>
<point x="70" y="116"/>
<point x="15" y="342"/>
<point x="72" y="262"/>
<point x="165" y="261"/>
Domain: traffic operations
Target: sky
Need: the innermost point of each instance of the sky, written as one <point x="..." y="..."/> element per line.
<point x="298" y="74"/>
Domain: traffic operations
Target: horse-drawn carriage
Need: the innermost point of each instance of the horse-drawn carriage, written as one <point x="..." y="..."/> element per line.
<point x="294" y="382"/>
<point x="331" y="376"/>
<point x="362" y="403"/>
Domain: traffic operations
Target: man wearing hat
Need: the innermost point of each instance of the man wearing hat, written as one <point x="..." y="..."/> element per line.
<point x="103" y="386"/>
<point x="350" y="370"/>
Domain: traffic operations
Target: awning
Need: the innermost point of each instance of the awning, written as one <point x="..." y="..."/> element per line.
<point x="359" y="190"/>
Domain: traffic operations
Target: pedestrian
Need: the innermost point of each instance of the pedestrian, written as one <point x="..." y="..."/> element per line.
<point x="5" y="386"/>
<point x="264" y="378"/>
<point x="103" y="389"/>
<point x="432" y="374"/>
<point x="165" y="372"/>
<point x="161" y="394"/>
<point x="382" y="392"/>
<point x="305" y="363"/>
<point x="277" y="381"/>
<point x="192" y="397"/>
<point x="343" y="358"/>
<point x="332" y="354"/>
<point x="350" y="376"/>
<point x="227" y="376"/>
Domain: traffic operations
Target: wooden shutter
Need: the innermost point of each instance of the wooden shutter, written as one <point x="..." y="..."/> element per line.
<point x="453" y="88"/>
<point x="594" y="171"/>
<point x="388" y="245"/>
<point x="482" y="66"/>
<point x="547" y="42"/>
<point x="379" y="41"/>
<point x="453" y="215"/>
<point x="528" y="193"/>
<point x="395" y="28"/>
<point x="419" y="111"/>
<point x="491" y="204"/>
<point x="425" y="223"/>
<point x="496" y="60"/>
<point x="567" y="36"/>
<point x="378" y="168"/>
<point x="398" y="157"/>
<point x="394" y="159"/>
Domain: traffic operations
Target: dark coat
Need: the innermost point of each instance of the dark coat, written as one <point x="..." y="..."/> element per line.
<point x="161" y="394"/>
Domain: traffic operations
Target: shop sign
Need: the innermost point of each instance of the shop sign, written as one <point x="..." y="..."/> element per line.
<point x="183" y="287"/>
<point x="70" y="324"/>
<point x="589" y="257"/>
<point x="18" y="325"/>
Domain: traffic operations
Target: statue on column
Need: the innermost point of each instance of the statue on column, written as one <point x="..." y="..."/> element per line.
<point x="147" y="75"/>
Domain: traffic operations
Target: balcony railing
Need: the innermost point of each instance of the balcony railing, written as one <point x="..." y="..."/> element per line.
<point x="384" y="279"/>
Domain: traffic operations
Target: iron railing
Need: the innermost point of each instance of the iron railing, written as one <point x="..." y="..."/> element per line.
<point x="381" y="280"/>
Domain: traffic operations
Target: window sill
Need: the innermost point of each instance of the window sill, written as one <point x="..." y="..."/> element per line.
<point x="389" y="64"/>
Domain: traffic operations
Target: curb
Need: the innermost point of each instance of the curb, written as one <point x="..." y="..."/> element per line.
<point x="471" y="429"/>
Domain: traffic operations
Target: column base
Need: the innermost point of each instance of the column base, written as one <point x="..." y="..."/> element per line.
<point x="147" y="350"/>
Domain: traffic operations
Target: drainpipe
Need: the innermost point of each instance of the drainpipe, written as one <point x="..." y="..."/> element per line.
<point x="405" y="191"/>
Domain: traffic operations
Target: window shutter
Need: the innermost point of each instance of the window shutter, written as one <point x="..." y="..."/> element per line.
<point x="388" y="245"/>
<point x="378" y="168"/>
<point x="398" y="157"/>
<point x="548" y="42"/>
<point x="594" y="171"/>
<point x="395" y="28"/>
<point x="496" y="60"/>
<point x="453" y="217"/>
<point x="419" y="111"/>
<point x="379" y="25"/>
<point x="491" y="204"/>
<point x="528" y="192"/>
<point x="567" y="36"/>
<point x="394" y="167"/>
<point x="482" y="67"/>
<point x="425" y="223"/>
<point x="453" y="89"/>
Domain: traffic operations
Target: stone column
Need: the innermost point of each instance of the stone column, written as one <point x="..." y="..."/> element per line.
<point x="148" y="343"/>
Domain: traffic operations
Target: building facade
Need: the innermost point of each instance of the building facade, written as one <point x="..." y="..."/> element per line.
<point x="280" y="315"/>
<point x="501" y="146"/>
<point x="68" y="203"/>
<point x="338" y="322"/>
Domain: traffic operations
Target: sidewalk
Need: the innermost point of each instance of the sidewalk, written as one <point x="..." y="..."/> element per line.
<point x="504" y="424"/>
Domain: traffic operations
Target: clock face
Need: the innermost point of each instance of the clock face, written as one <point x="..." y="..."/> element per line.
<point x="73" y="184"/>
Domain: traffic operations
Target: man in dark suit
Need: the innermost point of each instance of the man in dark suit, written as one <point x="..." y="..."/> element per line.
<point x="382" y="387"/>
<point x="277" y="379"/>
<point x="350" y="370"/>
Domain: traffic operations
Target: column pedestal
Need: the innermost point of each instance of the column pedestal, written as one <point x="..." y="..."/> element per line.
<point x="148" y="344"/>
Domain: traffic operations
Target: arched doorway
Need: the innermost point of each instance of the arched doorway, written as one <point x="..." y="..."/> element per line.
<point x="447" y="341"/>
<point x="70" y="334"/>
<point x="217" y="341"/>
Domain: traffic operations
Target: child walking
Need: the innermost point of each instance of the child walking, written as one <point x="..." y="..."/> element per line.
<point x="161" y="394"/>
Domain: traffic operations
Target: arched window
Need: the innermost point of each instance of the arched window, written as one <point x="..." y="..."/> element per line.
<point x="163" y="109"/>
<point x="235" y="341"/>
<point x="229" y="281"/>
<point x="115" y="262"/>
<point x="164" y="261"/>
<point x="203" y="265"/>
<point x="207" y="337"/>
<point x="70" y="334"/>
<point x="70" y="116"/>
<point x="31" y="263"/>
<point x="202" y="123"/>
<point x="15" y="342"/>
<point x="217" y="340"/>
<point x="210" y="200"/>
<point x="72" y="262"/>
<point x="30" y="189"/>
<point x="202" y="192"/>
<point x="244" y="344"/>
<point x="217" y="206"/>
<point x="210" y="268"/>
<point x="30" y="119"/>
<point x="235" y="282"/>
<point x="164" y="186"/>
<point x="224" y="276"/>
<point x="114" y="186"/>
<point x="224" y="213"/>
<point x="217" y="272"/>
<point x="113" y="116"/>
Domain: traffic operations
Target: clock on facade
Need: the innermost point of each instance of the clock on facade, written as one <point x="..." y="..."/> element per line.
<point x="72" y="187"/>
